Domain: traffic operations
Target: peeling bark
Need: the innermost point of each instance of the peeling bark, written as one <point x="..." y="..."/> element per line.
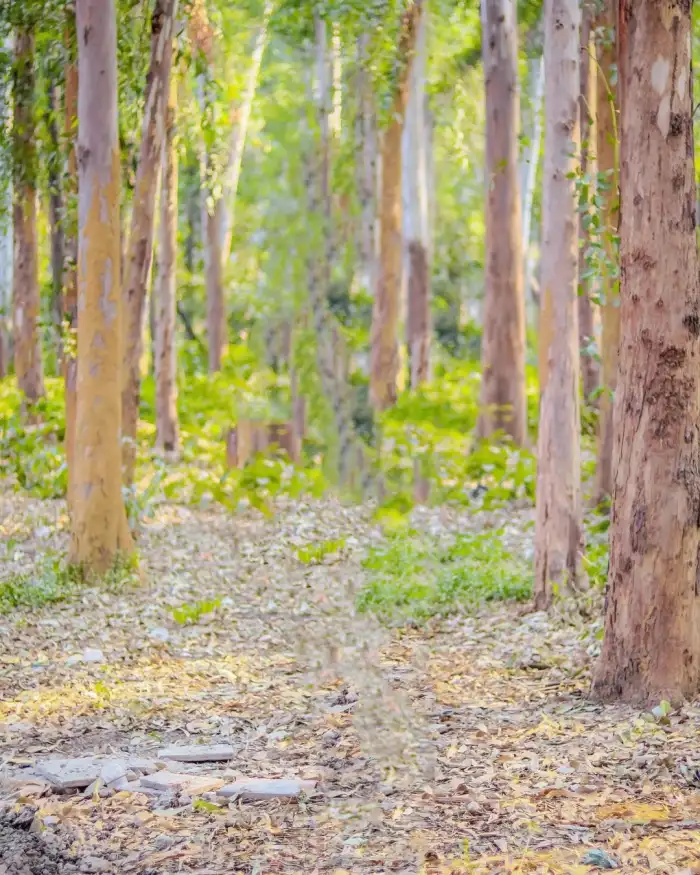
<point x="384" y="351"/>
<point x="558" y="527"/>
<point x="651" y="649"/>
<point x="610" y="309"/>
<point x="26" y="301"/>
<point x="140" y="246"/>
<point x="167" y="430"/>
<point x="100" y="530"/>
<point x="503" y="400"/>
<point x="586" y="307"/>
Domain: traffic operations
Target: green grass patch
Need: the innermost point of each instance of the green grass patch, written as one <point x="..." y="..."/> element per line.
<point x="315" y="553"/>
<point x="414" y="576"/>
<point x="189" y="614"/>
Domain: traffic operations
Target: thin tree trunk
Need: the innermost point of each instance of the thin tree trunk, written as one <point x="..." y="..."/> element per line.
<point x="140" y="251"/>
<point x="651" y="649"/>
<point x="503" y="401"/>
<point x="27" y="332"/>
<point x="6" y="256"/>
<point x="416" y="220"/>
<point x="336" y="116"/>
<point x="367" y="169"/>
<point x="167" y="430"/>
<point x="70" y="266"/>
<point x="240" y="132"/>
<point x="558" y="528"/>
<point x="586" y="307"/>
<point x="384" y="351"/>
<point x="610" y="309"/>
<point x="216" y="314"/>
<point x="100" y="530"/>
<point x="56" y="216"/>
<point x="530" y="175"/>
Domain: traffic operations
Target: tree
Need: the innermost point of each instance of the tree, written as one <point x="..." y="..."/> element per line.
<point x="367" y="168"/>
<point x="558" y="530"/>
<point x="100" y="529"/>
<point x="384" y="352"/>
<point x="26" y="301"/>
<point x="416" y="220"/>
<point x="607" y="193"/>
<point x="165" y="292"/>
<point x="651" y="649"/>
<point x="140" y="246"/>
<point x="503" y="344"/>
<point x="6" y="256"/>
<point x="586" y="309"/>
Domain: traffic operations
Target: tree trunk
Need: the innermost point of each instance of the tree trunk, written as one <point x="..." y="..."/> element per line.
<point x="56" y="215"/>
<point x="70" y="267"/>
<point x="27" y="304"/>
<point x="558" y="531"/>
<point x="100" y="530"/>
<point x="610" y="308"/>
<point x="503" y="401"/>
<point x="367" y="169"/>
<point x="165" y="290"/>
<point x="531" y="176"/>
<point x="140" y="251"/>
<point x="651" y="649"/>
<point x="586" y="308"/>
<point x="240" y="132"/>
<point x="6" y="256"/>
<point x="384" y="351"/>
<point x="216" y="314"/>
<point x="416" y="221"/>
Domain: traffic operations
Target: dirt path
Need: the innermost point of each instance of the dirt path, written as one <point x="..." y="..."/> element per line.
<point x="468" y="745"/>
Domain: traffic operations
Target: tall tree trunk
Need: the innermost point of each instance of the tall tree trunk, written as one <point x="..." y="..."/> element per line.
<point x="651" y="649"/>
<point x="586" y="309"/>
<point x="503" y="401"/>
<point x="415" y="219"/>
<point x="558" y="530"/>
<point x="240" y="132"/>
<point x="100" y="530"/>
<point x="6" y="256"/>
<point x="384" y="344"/>
<point x="530" y="175"/>
<point x="70" y="267"/>
<point x="140" y="251"/>
<point x="27" y="305"/>
<point x="56" y="215"/>
<point x="165" y="291"/>
<point x="608" y="193"/>
<point x="212" y="218"/>
<point x="367" y="169"/>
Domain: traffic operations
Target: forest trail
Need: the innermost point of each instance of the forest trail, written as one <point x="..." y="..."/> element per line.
<point x="469" y="746"/>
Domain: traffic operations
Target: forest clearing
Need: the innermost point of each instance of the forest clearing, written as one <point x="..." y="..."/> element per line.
<point x="349" y="437"/>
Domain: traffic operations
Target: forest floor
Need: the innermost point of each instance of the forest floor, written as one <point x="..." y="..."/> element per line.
<point x="465" y="745"/>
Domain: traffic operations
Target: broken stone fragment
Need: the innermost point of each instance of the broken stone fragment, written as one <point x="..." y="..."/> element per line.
<point x="192" y="784"/>
<point x="70" y="774"/>
<point x="198" y="753"/>
<point x="267" y="788"/>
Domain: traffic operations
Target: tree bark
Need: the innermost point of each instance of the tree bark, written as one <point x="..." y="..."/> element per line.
<point x="586" y="307"/>
<point x="415" y="219"/>
<point x="56" y="216"/>
<point x="384" y="344"/>
<point x="558" y="528"/>
<point x="100" y="530"/>
<point x="70" y="266"/>
<point x="167" y="430"/>
<point x="530" y="176"/>
<point x="610" y="308"/>
<point x="27" y="304"/>
<point x="503" y="401"/>
<point x="140" y="247"/>
<point x="651" y="649"/>
<point x="6" y="256"/>
<point x="367" y="169"/>
<point x="216" y="314"/>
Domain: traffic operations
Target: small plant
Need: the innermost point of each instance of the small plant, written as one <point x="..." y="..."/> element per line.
<point x="53" y="581"/>
<point x="315" y="553"/>
<point x="413" y="576"/>
<point x="189" y="614"/>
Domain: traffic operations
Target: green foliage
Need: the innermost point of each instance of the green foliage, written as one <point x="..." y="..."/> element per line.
<point x="412" y="576"/>
<point x="315" y="553"/>
<point x="53" y="581"/>
<point x="189" y="614"/>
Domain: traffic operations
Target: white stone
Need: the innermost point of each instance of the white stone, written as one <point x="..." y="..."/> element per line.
<point x="193" y="784"/>
<point x="88" y="655"/>
<point x="70" y="774"/>
<point x="198" y="753"/>
<point x="160" y="633"/>
<point x="267" y="788"/>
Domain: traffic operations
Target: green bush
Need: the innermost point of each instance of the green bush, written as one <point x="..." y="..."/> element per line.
<point x="413" y="576"/>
